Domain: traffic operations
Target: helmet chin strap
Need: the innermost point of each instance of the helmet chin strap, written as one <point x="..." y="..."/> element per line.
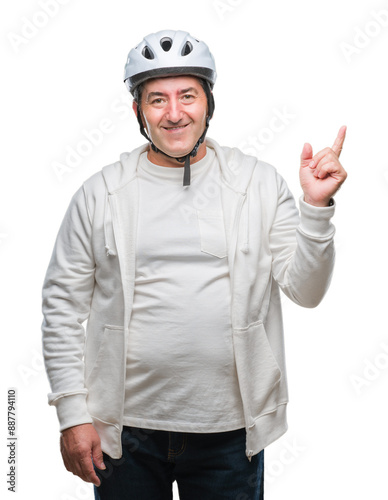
<point x="194" y="151"/>
<point x="181" y="159"/>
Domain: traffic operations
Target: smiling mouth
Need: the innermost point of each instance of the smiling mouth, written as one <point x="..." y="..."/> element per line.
<point x="181" y="127"/>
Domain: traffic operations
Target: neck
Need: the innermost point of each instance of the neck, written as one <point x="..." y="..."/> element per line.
<point x="165" y="161"/>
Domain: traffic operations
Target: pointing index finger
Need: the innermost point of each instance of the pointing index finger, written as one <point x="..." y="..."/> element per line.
<point x="338" y="143"/>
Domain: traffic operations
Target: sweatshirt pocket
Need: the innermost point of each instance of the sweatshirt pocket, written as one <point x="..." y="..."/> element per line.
<point x="258" y="371"/>
<point x="105" y="381"/>
<point x="212" y="232"/>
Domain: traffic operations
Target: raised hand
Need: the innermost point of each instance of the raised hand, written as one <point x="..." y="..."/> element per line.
<point x="321" y="175"/>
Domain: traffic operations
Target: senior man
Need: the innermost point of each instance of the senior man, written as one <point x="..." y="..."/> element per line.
<point x="175" y="255"/>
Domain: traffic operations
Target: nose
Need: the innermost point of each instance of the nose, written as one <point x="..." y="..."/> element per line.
<point x="174" y="111"/>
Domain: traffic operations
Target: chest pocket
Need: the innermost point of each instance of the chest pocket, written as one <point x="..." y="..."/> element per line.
<point x="212" y="232"/>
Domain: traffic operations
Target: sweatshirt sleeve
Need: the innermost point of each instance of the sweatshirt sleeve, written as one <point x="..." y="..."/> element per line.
<point x="67" y="292"/>
<point x="302" y="246"/>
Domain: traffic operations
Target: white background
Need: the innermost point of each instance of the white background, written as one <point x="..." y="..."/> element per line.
<point x="323" y="64"/>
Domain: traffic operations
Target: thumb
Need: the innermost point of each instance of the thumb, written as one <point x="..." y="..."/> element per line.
<point x="97" y="456"/>
<point x="307" y="155"/>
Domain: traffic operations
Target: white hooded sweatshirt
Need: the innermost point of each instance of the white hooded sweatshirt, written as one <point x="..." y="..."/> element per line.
<point x="91" y="277"/>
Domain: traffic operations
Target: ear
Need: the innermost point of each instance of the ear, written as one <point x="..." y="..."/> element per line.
<point x="134" y="107"/>
<point x="139" y="116"/>
<point x="211" y="108"/>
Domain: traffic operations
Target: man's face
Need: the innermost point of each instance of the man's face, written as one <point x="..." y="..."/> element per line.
<point x="174" y="113"/>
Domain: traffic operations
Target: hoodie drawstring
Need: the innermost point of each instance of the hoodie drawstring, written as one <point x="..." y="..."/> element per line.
<point x="108" y="249"/>
<point x="245" y="221"/>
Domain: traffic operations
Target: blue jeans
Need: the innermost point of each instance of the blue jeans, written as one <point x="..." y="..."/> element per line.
<point x="206" y="466"/>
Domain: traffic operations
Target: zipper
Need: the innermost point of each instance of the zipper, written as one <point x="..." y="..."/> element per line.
<point x="117" y="239"/>
<point x="249" y="453"/>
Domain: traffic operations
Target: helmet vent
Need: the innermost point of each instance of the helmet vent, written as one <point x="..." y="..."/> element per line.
<point x="187" y="49"/>
<point x="147" y="53"/>
<point x="166" y="44"/>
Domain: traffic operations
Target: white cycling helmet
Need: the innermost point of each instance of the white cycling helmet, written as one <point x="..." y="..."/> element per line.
<point x="166" y="53"/>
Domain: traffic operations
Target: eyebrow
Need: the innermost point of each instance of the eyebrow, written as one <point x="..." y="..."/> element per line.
<point x="190" y="89"/>
<point x="161" y="94"/>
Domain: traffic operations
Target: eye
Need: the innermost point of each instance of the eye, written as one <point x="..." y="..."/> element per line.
<point x="157" y="101"/>
<point x="187" y="97"/>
